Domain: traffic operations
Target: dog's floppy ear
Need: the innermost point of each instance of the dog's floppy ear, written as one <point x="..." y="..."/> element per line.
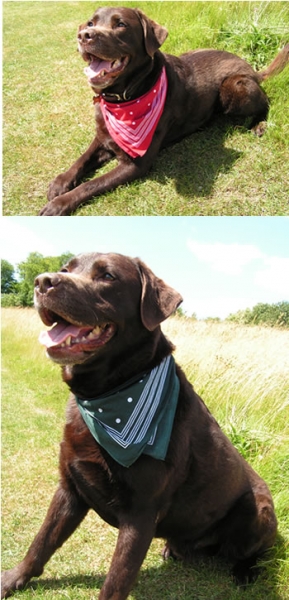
<point x="158" y="300"/>
<point x="154" y="34"/>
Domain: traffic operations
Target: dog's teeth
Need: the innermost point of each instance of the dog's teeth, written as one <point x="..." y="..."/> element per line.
<point x="90" y="335"/>
<point x="68" y="341"/>
<point x="96" y="330"/>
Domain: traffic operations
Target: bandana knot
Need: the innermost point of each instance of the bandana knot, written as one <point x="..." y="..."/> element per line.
<point x="138" y="417"/>
<point x="132" y="124"/>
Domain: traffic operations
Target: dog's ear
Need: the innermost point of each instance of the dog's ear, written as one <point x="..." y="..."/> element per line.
<point x="158" y="300"/>
<point x="154" y="34"/>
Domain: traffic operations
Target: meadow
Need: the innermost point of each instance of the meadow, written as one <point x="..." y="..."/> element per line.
<point x="49" y="116"/>
<point x="242" y="374"/>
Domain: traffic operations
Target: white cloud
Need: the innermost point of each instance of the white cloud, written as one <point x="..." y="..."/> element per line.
<point x="217" y="306"/>
<point x="274" y="276"/>
<point x="225" y="258"/>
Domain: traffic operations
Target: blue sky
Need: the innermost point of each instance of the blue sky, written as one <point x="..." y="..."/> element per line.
<point x="218" y="264"/>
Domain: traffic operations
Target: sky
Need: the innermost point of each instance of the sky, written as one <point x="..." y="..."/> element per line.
<point x="218" y="264"/>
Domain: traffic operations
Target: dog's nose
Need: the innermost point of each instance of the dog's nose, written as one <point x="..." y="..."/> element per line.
<point x="46" y="281"/>
<point x="85" y="35"/>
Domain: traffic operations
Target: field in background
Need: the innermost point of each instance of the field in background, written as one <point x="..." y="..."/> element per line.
<point x="241" y="373"/>
<point x="49" y="115"/>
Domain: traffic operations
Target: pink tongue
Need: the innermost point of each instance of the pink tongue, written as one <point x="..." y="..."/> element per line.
<point x="95" y="68"/>
<point x="59" y="333"/>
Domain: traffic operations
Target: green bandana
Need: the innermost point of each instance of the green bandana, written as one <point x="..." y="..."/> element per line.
<point x="137" y="418"/>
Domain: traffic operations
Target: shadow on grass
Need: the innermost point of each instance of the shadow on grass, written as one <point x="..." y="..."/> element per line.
<point x="193" y="164"/>
<point x="196" y="162"/>
<point x="205" y="578"/>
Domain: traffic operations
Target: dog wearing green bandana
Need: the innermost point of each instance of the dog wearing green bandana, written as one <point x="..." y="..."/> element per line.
<point x="139" y="445"/>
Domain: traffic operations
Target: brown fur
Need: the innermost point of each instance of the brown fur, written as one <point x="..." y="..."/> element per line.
<point x="200" y="83"/>
<point x="203" y="495"/>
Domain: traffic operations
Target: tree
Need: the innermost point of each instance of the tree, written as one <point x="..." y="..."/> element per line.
<point x="8" y="281"/>
<point x="29" y="269"/>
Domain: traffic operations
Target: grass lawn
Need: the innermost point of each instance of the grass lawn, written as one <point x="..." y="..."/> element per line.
<point x="242" y="374"/>
<point x="49" y="116"/>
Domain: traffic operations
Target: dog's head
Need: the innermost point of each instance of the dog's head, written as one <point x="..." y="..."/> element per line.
<point x="116" y="42"/>
<point x="97" y="301"/>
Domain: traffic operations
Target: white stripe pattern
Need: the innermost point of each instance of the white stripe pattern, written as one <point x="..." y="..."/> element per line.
<point x="138" y="424"/>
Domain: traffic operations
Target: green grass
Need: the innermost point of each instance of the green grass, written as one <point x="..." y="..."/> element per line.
<point x="49" y="117"/>
<point x="241" y="373"/>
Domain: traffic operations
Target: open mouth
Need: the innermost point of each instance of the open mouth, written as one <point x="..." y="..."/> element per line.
<point x="66" y="340"/>
<point x="100" y="71"/>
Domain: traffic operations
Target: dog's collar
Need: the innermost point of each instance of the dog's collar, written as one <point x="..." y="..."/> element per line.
<point x="136" y="418"/>
<point x="112" y="97"/>
<point x="129" y="92"/>
<point x="132" y="124"/>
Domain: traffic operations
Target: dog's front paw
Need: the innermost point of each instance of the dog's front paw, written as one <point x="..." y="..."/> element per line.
<point x="58" y="207"/>
<point x="58" y="187"/>
<point x="12" y="580"/>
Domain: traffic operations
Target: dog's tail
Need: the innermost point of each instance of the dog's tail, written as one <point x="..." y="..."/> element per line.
<point x="278" y="64"/>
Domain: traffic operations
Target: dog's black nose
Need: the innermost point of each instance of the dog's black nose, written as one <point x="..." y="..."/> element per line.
<point x="46" y="281"/>
<point x="85" y="35"/>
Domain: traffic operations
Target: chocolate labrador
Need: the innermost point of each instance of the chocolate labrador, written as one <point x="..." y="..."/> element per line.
<point x="146" y="100"/>
<point x="139" y="445"/>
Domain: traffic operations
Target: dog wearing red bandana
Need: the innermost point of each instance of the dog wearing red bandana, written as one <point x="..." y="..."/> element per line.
<point x="146" y="100"/>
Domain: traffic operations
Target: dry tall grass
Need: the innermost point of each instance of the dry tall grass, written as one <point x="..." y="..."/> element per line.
<point x="230" y="363"/>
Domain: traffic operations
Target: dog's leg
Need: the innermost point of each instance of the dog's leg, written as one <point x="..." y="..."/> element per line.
<point x="93" y="158"/>
<point x="67" y="203"/>
<point x="65" y="513"/>
<point x="250" y="529"/>
<point x="241" y="95"/>
<point x="135" y="536"/>
<point x="127" y="170"/>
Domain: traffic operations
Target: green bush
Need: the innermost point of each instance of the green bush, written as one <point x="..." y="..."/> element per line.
<point x="273" y="315"/>
<point x="10" y="300"/>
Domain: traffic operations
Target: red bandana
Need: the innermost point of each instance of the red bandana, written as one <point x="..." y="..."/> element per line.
<point x="132" y="124"/>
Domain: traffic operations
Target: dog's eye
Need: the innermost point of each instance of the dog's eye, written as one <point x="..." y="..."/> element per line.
<point x="108" y="277"/>
<point x="90" y="24"/>
<point x="121" y="24"/>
